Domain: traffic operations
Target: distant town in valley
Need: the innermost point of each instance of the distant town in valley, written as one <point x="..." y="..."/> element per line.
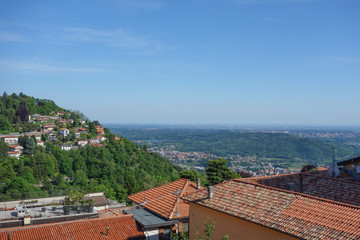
<point x="172" y="141"/>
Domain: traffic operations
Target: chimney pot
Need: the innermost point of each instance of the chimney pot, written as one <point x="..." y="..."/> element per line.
<point x="198" y="184"/>
<point x="210" y="192"/>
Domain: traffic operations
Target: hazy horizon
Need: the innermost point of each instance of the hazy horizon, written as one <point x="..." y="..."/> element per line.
<point x="257" y="62"/>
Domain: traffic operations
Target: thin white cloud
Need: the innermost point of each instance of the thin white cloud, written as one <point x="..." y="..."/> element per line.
<point x="8" y="37"/>
<point x="115" y="38"/>
<point x="36" y="67"/>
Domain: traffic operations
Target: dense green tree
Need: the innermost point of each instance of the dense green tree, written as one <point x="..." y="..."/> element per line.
<point x="28" y="174"/>
<point x="4" y="124"/>
<point x="81" y="179"/>
<point x="6" y="170"/>
<point x="92" y="128"/>
<point x="72" y="136"/>
<point x="191" y="175"/>
<point x="10" y="114"/>
<point x="19" y="188"/>
<point x="28" y="127"/>
<point x="29" y="146"/>
<point x="132" y="185"/>
<point x="218" y="171"/>
<point x="4" y="148"/>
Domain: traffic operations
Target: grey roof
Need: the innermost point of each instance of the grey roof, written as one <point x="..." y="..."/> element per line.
<point x="348" y="161"/>
<point x="148" y="219"/>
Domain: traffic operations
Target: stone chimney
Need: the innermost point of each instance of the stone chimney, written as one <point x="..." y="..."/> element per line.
<point x="210" y="192"/>
<point x="198" y="184"/>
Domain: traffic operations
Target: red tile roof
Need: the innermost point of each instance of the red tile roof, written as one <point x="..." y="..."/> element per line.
<point x="14" y="145"/>
<point x="295" y="214"/>
<point x="96" y="145"/>
<point x="111" y="212"/>
<point x="316" y="183"/>
<point x="162" y="199"/>
<point x="120" y="227"/>
<point x="13" y="152"/>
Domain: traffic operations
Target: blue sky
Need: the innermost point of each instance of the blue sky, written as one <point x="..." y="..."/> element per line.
<point x="185" y="62"/>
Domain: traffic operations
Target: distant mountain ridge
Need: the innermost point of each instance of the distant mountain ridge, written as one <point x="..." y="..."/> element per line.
<point x="225" y="142"/>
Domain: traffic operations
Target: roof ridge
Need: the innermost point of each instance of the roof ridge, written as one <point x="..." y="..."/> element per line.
<point x="297" y="193"/>
<point x="333" y="179"/>
<point x="308" y="173"/>
<point x="184" y="187"/>
<point x="63" y="222"/>
<point x="178" y="199"/>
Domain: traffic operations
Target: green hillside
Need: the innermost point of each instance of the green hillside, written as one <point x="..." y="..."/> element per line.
<point x="116" y="166"/>
<point x="15" y="110"/>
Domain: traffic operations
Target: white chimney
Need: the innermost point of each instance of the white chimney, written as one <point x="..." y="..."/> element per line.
<point x="210" y="192"/>
<point x="27" y="220"/>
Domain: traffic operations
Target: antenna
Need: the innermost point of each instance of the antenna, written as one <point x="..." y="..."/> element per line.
<point x="177" y="193"/>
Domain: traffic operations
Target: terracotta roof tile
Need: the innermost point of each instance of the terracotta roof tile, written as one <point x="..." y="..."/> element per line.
<point x="111" y="212"/>
<point x="162" y="199"/>
<point x="317" y="184"/>
<point x="296" y="214"/>
<point x="15" y="145"/>
<point x="120" y="227"/>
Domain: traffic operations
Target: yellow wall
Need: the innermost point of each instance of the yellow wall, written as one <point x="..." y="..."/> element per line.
<point x="225" y="224"/>
<point x="352" y="166"/>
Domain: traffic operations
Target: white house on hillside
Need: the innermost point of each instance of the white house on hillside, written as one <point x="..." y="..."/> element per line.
<point x="64" y="132"/>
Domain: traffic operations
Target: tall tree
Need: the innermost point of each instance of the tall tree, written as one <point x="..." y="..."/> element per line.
<point x="29" y="146"/>
<point x="23" y="113"/>
<point x="4" y="148"/>
<point x="218" y="171"/>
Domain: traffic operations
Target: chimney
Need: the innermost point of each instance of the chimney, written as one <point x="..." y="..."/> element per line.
<point x="107" y="231"/>
<point x="210" y="192"/>
<point x="27" y="220"/>
<point x="198" y="184"/>
<point x="9" y="236"/>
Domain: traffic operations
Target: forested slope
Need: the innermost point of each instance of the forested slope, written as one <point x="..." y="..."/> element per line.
<point x="118" y="168"/>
